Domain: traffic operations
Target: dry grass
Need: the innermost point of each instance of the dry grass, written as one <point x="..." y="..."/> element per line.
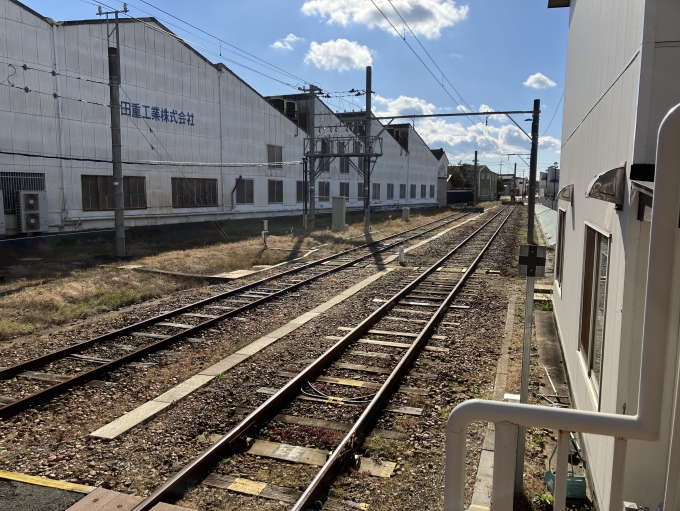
<point x="80" y="295"/>
<point x="68" y="283"/>
<point x="225" y="256"/>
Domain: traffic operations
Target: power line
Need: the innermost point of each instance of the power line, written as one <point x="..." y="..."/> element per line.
<point x="553" y="117"/>
<point x="258" y="60"/>
<point x="148" y="162"/>
<point x="54" y="95"/>
<point x="493" y="143"/>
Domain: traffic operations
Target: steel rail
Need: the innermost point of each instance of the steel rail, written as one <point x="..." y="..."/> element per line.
<point x="56" y="355"/>
<point x="82" y="378"/>
<point x="363" y="426"/>
<point x="200" y="466"/>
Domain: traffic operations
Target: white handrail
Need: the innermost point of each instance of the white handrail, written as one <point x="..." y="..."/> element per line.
<point x="646" y="424"/>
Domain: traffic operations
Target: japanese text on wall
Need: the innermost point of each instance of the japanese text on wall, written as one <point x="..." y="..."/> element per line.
<point x="155" y="113"/>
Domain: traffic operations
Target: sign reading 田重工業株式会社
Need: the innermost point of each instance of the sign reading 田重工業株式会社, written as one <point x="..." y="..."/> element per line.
<point x="155" y="113"/>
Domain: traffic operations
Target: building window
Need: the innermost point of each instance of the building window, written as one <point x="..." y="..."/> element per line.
<point x="431" y="191"/>
<point x="402" y="191"/>
<point x="325" y="163"/>
<point x="193" y="193"/>
<point x="344" y="160"/>
<point x="344" y="189"/>
<point x="98" y="193"/>
<point x="134" y="192"/>
<point x="324" y="191"/>
<point x="275" y="156"/>
<point x="390" y="191"/>
<point x="301" y="192"/>
<point x="413" y="191"/>
<point x="594" y="302"/>
<point x="423" y="191"/>
<point x="559" y="256"/>
<point x="275" y="191"/>
<point x="376" y="191"/>
<point x="360" y="190"/>
<point x="244" y="191"/>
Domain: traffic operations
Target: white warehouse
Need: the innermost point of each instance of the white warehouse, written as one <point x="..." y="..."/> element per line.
<point x="177" y="108"/>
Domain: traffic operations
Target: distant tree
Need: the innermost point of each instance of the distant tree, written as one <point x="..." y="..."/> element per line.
<point x="500" y="185"/>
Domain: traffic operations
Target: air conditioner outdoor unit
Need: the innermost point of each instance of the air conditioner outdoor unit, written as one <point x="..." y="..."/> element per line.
<point x="2" y="215"/>
<point x="32" y="211"/>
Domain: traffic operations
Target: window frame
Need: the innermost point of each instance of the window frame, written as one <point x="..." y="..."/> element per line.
<point x="345" y="185"/>
<point x="402" y="191"/>
<point x="277" y="191"/>
<point x="106" y="181"/>
<point x="320" y="196"/>
<point x="360" y="190"/>
<point x="190" y="191"/>
<point x="375" y="188"/>
<point x="559" y="253"/>
<point x="244" y="191"/>
<point x="301" y="190"/>
<point x="344" y="160"/>
<point x="423" y="191"/>
<point x="413" y="192"/>
<point x="273" y="157"/>
<point x="432" y="192"/>
<point x="390" y="191"/>
<point x="590" y="305"/>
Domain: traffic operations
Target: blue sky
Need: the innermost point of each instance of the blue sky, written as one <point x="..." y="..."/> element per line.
<point x="487" y="49"/>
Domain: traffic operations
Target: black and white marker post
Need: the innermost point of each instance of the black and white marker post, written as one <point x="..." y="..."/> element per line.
<point x="531" y="265"/>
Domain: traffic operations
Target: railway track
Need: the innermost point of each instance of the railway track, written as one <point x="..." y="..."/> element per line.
<point x="422" y="304"/>
<point x="52" y="373"/>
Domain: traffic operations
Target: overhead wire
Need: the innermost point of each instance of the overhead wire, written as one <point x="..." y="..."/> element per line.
<point x="458" y="104"/>
<point x="146" y="162"/>
<point x="257" y="60"/>
<point x="554" y="114"/>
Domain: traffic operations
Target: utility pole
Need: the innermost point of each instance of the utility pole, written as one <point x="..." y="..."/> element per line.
<point x="514" y="183"/>
<point x="533" y="163"/>
<point x="305" y="225"/>
<point x="116" y="141"/>
<point x="529" y="300"/>
<point x="475" y="197"/>
<point x="311" y="169"/>
<point x="367" y="150"/>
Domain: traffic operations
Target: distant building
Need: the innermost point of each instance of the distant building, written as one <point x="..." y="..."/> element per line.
<point x="520" y="184"/>
<point x="442" y="175"/>
<point x="198" y="142"/>
<point x="487" y="180"/>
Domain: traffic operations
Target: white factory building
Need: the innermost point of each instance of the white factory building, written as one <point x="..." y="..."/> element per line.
<point x="622" y="78"/>
<point x="177" y="108"/>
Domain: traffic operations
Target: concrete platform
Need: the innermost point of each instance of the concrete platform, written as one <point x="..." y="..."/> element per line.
<point x="550" y="357"/>
<point x="109" y="500"/>
<point x="148" y="410"/>
<point x="548" y="219"/>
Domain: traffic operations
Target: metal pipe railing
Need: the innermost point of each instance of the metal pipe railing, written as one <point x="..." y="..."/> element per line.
<point x="646" y="424"/>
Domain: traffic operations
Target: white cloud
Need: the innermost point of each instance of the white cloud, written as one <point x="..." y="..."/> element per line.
<point x="461" y="141"/>
<point x="425" y="17"/>
<point x="539" y="81"/>
<point x="341" y="55"/>
<point x="287" y="42"/>
<point x="459" y="138"/>
<point x="499" y="117"/>
<point x="403" y="105"/>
